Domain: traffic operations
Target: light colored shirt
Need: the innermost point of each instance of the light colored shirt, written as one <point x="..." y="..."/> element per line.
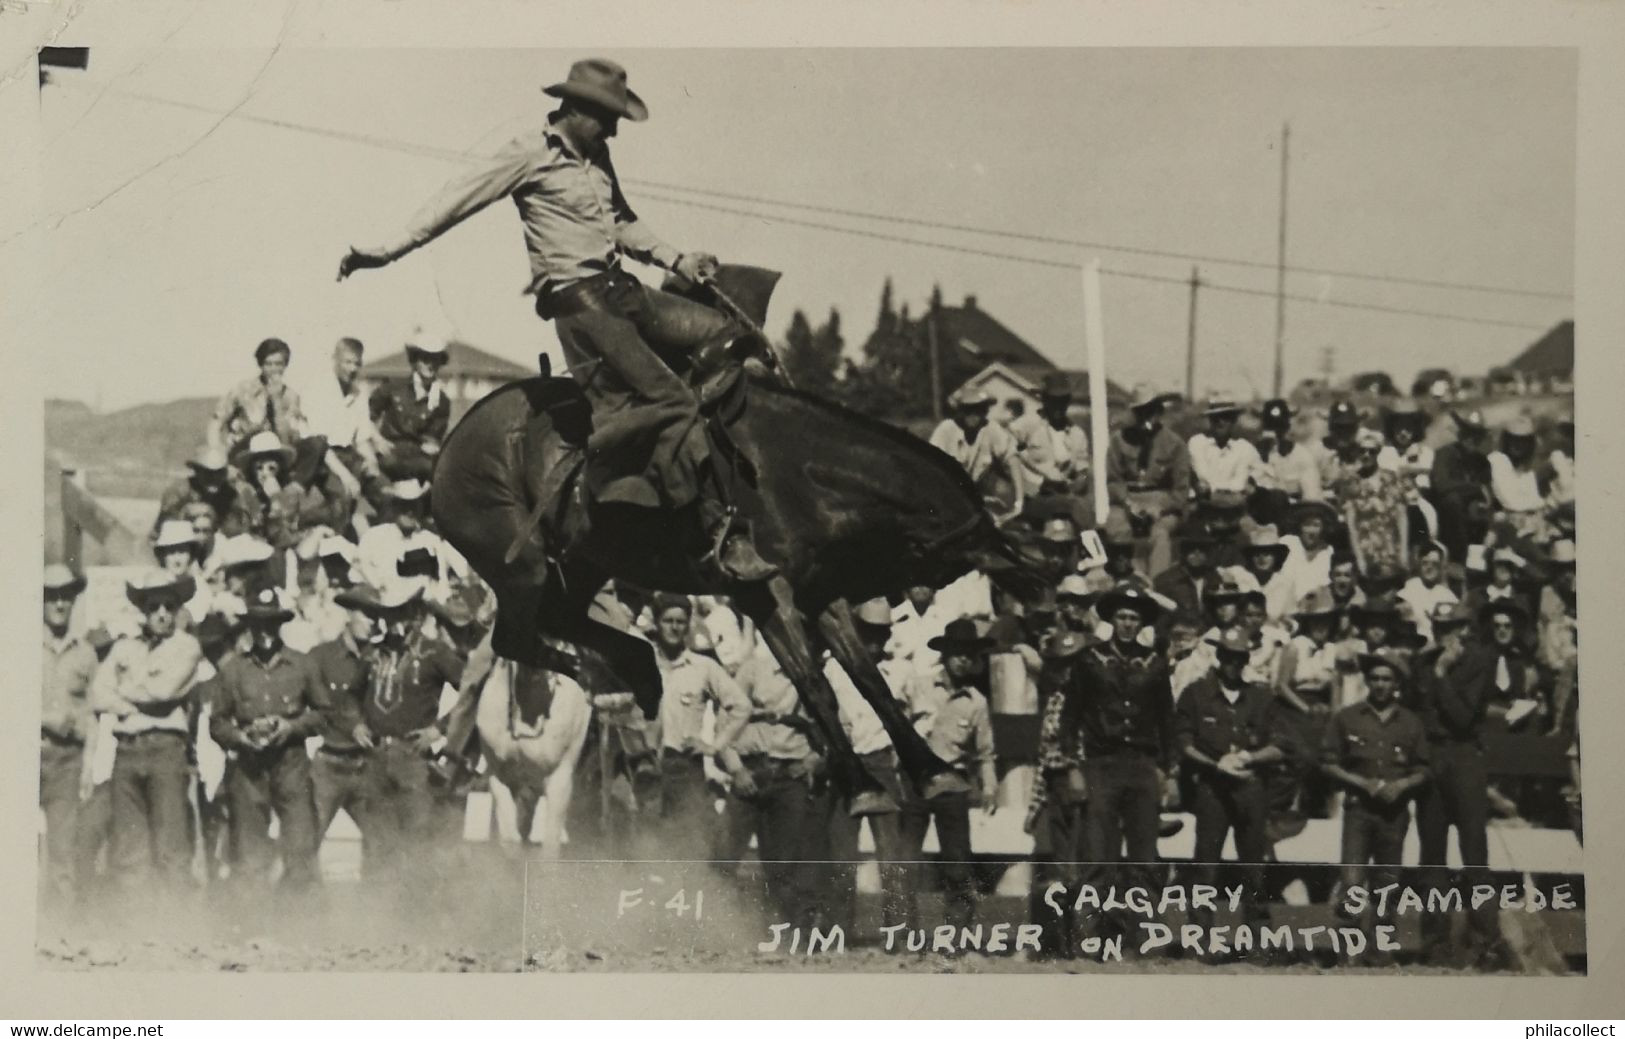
<point x="858" y="718"/>
<point x="1227" y="468"/>
<point x="70" y="666"/>
<point x="1423" y="600"/>
<point x="1315" y="667"/>
<point x="144" y="685"/>
<point x="383" y="545"/>
<point x="1048" y="453"/>
<point x="688" y="684"/>
<point x="993" y="448"/>
<point x="1562" y="488"/>
<point x="1305" y="571"/>
<point x="1516" y="490"/>
<point x="1296" y="475"/>
<point x="772" y="695"/>
<point x="1415" y="463"/>
<point x="956" y="724"/>
<point x="333" y="413"/>
<point x="1278" y="597"/>
<point x="575" y="218"/>
<point x="732" y="638"/>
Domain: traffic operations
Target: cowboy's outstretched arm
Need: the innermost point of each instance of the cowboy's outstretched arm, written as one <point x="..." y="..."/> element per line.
<point x="458" y="201"/>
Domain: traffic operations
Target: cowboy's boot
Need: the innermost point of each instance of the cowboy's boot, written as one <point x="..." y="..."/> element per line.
<point x="732" y="550"/>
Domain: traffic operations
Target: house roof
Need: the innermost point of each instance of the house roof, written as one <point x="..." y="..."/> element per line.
<point x="1551" y="354"/>
<point x="464" y="360"/>
<point x="981" y="339"/>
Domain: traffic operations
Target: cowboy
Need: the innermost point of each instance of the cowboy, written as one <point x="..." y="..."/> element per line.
<point x="218" y="638"/>
<point x="277" y="507"/>
<point x="1336" y="449"/>
<point x="266" y="702"/>
<point x="959" y="730"/>
<point x="179" y="552"/>
<point x="208" y="483"/>
<point x="1461" y="484"/>
<point x="1225" y="468"/>
<point x="402" y="528"/>
<point x="337" y="414"/>
<point x="873" y="622"/>
<point x="144" y="685"/>
<point x="265" y="403"/>
<point x="1454" y="685"/>
<point x="1264" y="570"/>
<point x="1514" y="480"/>
<point x="1305" y="683"/>
<point x="985" y="449"/>
<point x="776" y="792"/>
<point x="65" y="721"/>
<point x="1403" y="426"/>
<point x="1148" y="475"/>
<point x="689" y="682"/>
<point x="1226" y="728"/>
<point x="1054" y="451"/>
<point x="1378" y="751"/>
<point x="412" y="416"/>
<point x="338" y="767"/>
<point x="406" y="675"/>
<point x="1055" y="808"/>
<point x="1427" y="589"/>
<point x="1185" y="582"/>
<point x="1501" y="625"/>
<point x="577" y="226"/>
<point x="1291" y="473"/>
<point x="1267" y="639"/>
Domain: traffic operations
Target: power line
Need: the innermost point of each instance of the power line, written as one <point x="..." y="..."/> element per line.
<point x="454" y="155"/>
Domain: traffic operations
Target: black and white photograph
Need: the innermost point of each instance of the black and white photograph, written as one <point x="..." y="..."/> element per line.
<point x="804" y="510"/>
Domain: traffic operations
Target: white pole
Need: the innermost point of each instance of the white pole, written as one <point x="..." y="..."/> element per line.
<point x="1094" y="341"/>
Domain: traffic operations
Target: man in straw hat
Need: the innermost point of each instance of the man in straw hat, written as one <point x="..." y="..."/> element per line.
<point x="208" y="482"/>
<point x="1377" y="750"/>
<point x="1454" y="692"/>
<point x="412" y="414"/>
<point x="65" y="722"/>
<point x="1054" y="450"/>
<point x="957" y="726"/>
<point x="144" y="684"/>
<point x="1227" y="732"/>
<point x="985" y="449"/>
<point x="1148" y="474"/>
<point x="1225" y="467"/>
<point x="266" y="702"/>
<point x="577" y="226"/>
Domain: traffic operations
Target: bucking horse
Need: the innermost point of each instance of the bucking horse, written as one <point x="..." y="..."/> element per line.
<point x="846" y="507"/>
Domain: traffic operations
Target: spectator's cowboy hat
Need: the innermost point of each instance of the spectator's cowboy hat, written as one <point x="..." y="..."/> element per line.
<point x="1223" y="592"/>
<point x="1064" y="645"/>
<point x="601" y="82"/>
<point x="1267" y="539"/>
<point x="1128" y="597"/>
<point x="208" y="459"/>
<point x="1232" y="643"/>
<point x="215" y="632"/>
<point x="244" y="550"/>
<point x="1056" y="386"/>
<point x="156" y="587"/>
<point x="1368" y="440"/>
<point x="961" y="637"/>
<point x="1075" y="586"/>
<point x="415" y="352"/>
<point x="374" y="601"/>
<point x="1342" y="416"/>
<point x="408" y="491"/>
<point x="1522" y="427"/>
<point x="1378" y="608"/>
<point x="1472" y="422"/>
<point x="1503" y="608"/>
<point x="1060" y="530"/>
<point x="1370" y="661"/>
<point x="266" y="444"/>
<point x="1562" y="555"/>
<point x="1221" y="404"/>
<point x="1148" y="396"/>
<point x="1405" y="412"/>
<point x="265" y="606"/>
<point x="1324" y="511"/>
<point x="1449" y="615"/>
<point x="1318" y="605"/>
<point x="1192" y="532"/>
<point x="874" y="613"/>
<point x="1277" y="414"/>
<point x="971" y="398"/>
<point x="62" y="582"/>
<point x="176" y="534"/>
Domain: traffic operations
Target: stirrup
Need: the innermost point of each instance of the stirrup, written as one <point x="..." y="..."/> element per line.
<point x="725" y="530"/>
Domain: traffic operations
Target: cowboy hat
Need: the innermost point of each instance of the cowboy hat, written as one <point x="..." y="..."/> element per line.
<point x="961" y="636"/>
<point x="1317" y="605"/>
<point x="1128" y="597"/>
<point x="601" y="82"/>
<point x="1368" y="440"/>
<point x="1378" y="608"/>
<point x="1342" y="414"/>
<point x="1562" y="554"/>
<point x="1232" y="642"/>
<point x="1471" y="422"/>
<point x="1191" y="532"/>
<point x="1226" y="590"/>
<point x="243" y="550"/>
<point x="1370" y="661"/>
<point x="423" y="353"/>
<point x="1267" y="539"/>
<point x="1522" y="427"/>
<point x="265" y="444"/>
<point x="1325" y="512"/>
<point x="1503" y="606"/>
<point x="1063" y="645"/>
<point x="1277" y="414"/>
<point x="1449" y="615"/>
<point x="1074" y="586"/>
<point x="1056" y="386"/>
<point x="1221" y="404"/>
<point x="1404" y="411"/>
<point x="60" y="580"/>
<point x="208" y="459"/>
<point x="175" y="534"/>
<point x="406" y="490"/>
<point x="266" y="606"/>
<point x="876" y="613"/>
<point x="157" y="586"/>
<point x="1146" y="396"/>
<point x="971" y="398"/>
<point x="1060" y="530"/>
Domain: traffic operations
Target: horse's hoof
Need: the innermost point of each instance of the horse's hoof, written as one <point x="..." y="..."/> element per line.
<point x="947" y="782"/>
<point x="872" y="802"/>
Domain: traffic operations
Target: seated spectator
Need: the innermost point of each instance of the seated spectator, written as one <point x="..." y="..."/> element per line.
<point x="1403" y="427"/>
<point x="1054" y="452"/>
<point x="1148" y="475"/>
<point x="1225" y="471"/>
<point x="1506" y="581"/>
<point x="1514" y="693"/>
<point x="1559" y="636"/>
<point x="1374" y="503"/>
<point x="1309" y="549"/>
<point x="280" y="510"/>
<point x="1461" y="484"/>
<point x="401" y="533"/>
<point x="985" y="449"/>
<point x="1514" y="481"/>
<point x="1557" y="475"/>
<point x="263" y="404"/>
<point x="336" y="413"/>
<point x="1336" y="450"/>
<point x="1184" y="582"/>
<point x="1290" y="473"/>
<point x="1266" y="640"/>
<point x="1427" y="590"/>
<point x="208" y="483"/>
<point x="411" y="416"/>
<point x="1264" y="570"/>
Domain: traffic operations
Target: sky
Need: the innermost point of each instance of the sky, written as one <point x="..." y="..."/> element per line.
<point x="175" y="238"/>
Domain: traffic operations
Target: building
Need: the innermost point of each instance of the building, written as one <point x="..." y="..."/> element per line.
<point x="1548" y="363"/>
<point x="469" y="374"/>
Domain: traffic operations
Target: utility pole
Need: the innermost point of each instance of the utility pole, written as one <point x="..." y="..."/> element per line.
<point x="1190" y="338"/>
<point x="1280" y="270"/>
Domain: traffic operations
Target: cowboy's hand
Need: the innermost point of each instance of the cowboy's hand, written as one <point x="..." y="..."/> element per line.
<point x="697" y="266"/>
<point x="274" y="733"/>
<point x="1232" y="765"/>
<point x="744" y="784"/>
<point x="363" y="736"/>
<point x="357" y="260"/>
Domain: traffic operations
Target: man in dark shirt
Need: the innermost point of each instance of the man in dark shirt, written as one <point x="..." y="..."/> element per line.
<point x="1226" y="730"/>
<point x="411" y="416"/>
<point x="266" y="702"/>
<point x="1460" y="484"/>
<point x="338" y="769"/>
<point x="1456" y="685"/>
<point x="1148" y="478"/>
<point x="1186" y="582"/>
<point x="1378" y="751"/>
<point x="406" y="673"/>
<point x="209" y="483"/>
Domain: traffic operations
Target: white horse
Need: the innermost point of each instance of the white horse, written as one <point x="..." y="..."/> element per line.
<point x="534" y="762"/>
